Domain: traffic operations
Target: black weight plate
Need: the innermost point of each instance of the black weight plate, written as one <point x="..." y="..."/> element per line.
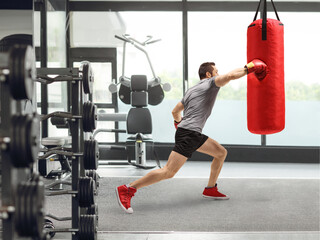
<point x="87" y="192"/>
<point x="23" y="142"/>
<point x="93" y="117"/>
<point x="85" y="187"/>
<point x="17" y="141"/>
<point x="22" y="72"/>
<point x="91" y="191"/>
<point x="155" y="95"/>
<point x="15" y="59"/>
<point x="86" y="154"/>
<point x="86" y="158"/>
<point x="88" y="117"/>
<point x="85" y="116"/>
<point x="14" y="149"/>
<point x="87" y="226"/>
<point x="13" y="142"/>
<point x="32" y="137"/>
<point x="23" y="209"/>
<point x="38" y="206"/>
<point x="124" y="94"/>
<point x="93" y="210"/>
<point x="31" y="225"/>
<point x="30" y="71"/>
<point x="93" y="156"/>
<point x="18" y="149"/>
<point x="93" y="174"/>
<point x="87" y="78"/>
<point x="84" y="197"/>
<point x="92" y="225"/>
<point x="96" y="155"/>
<point x="89" y="160"/>
<point x="81" y="192"/>
<point x="19" y="221"/>
<point x="82" y="227"/>
<point x="96" y="178"/>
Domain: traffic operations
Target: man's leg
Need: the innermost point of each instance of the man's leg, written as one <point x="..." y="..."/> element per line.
<point x="219" y="154"/>
<point x="175" y="162"/>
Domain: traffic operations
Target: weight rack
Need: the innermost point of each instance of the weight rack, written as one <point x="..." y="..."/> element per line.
<point x="79" y="115"/>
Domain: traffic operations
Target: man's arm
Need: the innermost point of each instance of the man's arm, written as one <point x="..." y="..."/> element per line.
<point x="256" y="66"/>
<point x="222" y="80"/>
<point x="176" y="112"/>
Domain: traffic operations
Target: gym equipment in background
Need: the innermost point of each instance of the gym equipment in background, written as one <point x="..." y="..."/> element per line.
<point x="139" y="92"/>
<point x="266" y="98"/>
<point x="155" y="87"/>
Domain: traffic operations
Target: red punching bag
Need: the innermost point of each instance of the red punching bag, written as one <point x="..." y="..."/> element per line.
<point x="266" y="98"/>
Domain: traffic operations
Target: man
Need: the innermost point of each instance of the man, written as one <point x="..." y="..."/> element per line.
<point x="196" y="105"/>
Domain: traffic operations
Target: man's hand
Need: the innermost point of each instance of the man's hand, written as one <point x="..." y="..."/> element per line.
<point x="258" y="67"/>
<point x="176" y="123"/>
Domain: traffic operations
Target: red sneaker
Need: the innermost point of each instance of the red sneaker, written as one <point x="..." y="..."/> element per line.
<point x="124" y="195"/>
<point x="213" y="193"/>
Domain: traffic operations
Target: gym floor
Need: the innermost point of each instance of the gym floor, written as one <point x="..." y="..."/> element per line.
<point x="200" y="169"/>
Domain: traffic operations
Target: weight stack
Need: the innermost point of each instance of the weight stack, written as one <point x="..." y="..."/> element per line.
<point x="266" y="98"/>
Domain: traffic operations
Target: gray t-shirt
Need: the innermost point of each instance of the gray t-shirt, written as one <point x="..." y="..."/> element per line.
<point x="198" y="103"/>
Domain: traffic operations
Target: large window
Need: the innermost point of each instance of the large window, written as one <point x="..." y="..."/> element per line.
<point x="224" y="42"/>
<point x="56" y="35"/>
<point x="212" y="36"/>
<point x="301" y="43"/>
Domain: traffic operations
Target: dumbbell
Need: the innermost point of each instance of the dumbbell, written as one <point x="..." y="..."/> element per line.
<point x="28" y="210"/>
<point x="90" y="154"/>
<point x="86" y="77"/>
<point x="87" y="230"/>
<point x="89" y="116"/>
<point x="17" y="68"/>
<point x="23" y="143"/>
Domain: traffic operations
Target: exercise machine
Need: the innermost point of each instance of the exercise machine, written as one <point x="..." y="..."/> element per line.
<point x="139" y="92"/>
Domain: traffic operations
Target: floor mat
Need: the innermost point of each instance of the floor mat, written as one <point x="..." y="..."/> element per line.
<point x="177" y="205"/>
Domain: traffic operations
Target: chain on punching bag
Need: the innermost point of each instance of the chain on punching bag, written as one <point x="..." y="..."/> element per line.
<point x="266" y="98"/>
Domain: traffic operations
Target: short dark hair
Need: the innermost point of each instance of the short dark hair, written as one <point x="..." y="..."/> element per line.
<point x="204" y="68"/>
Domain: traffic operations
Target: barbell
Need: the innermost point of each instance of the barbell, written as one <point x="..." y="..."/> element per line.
<point x="88" y="226"/>
<point x="86" y="76"/>
<point x="86" y="192"/>
<point x="90" y="154"/>
<point x="89" y="116"/>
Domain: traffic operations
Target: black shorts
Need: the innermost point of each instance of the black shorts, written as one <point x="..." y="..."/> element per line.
<point x="188" y="141"/>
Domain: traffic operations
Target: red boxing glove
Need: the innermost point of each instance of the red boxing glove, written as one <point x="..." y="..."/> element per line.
<point x="258" y="67"/>
<point x="176" y="123"/>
